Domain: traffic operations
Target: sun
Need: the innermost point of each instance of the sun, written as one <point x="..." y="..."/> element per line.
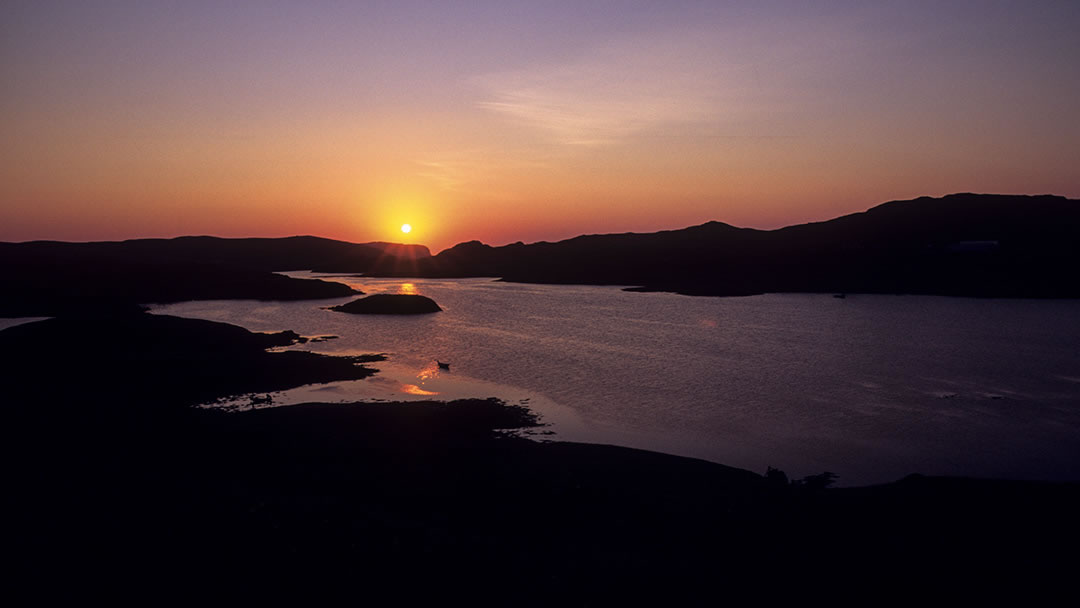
<point x="406" y="228"/>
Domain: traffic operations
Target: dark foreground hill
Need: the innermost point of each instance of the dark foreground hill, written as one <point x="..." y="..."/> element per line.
<point x="116" y="489"/>
<point x="962" y="244"/>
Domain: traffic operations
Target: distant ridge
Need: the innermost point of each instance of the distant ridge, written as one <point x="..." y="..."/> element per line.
<point x="966" y="244"/>
<point x="961" y="244"/>
<point x="270" y="254"/>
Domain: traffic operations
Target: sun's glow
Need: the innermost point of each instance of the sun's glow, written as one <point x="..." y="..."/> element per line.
<point x="406" y="228"/>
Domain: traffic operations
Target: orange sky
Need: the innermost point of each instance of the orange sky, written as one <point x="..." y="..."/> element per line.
<point x="135" y="120"/>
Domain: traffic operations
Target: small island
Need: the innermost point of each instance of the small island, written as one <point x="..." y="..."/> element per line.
<point x="390" y="304"/>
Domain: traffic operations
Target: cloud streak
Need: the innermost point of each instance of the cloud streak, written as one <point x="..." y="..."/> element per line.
<point x="618" y="91"/>
<point x="473" y="171"/>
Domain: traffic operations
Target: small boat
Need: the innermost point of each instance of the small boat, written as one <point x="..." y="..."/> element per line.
<point x="839" y="295"/>
<point x="442" y="365"/>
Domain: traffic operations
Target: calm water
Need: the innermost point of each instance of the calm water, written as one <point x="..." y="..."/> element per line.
<point x="869" y="387"/>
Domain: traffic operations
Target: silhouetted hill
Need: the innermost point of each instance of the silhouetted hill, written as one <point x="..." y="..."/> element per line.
<point x="47" y="278"/>
<point x="961" y="244"/>
<point x="269" y="254"/>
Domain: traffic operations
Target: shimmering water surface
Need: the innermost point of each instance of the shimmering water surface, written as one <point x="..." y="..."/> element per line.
<point x="869" y="387"/>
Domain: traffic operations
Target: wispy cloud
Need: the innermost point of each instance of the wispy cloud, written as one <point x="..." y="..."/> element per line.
<point x="619" y="90"/>
<point x="466" y="170"/>
<point x="448" y="175"/>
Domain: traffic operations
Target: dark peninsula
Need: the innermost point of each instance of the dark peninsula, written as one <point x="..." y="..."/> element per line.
<point x="127" y="360"/>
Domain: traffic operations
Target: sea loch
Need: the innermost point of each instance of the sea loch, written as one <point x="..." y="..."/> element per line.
<point x="871" y="388"/>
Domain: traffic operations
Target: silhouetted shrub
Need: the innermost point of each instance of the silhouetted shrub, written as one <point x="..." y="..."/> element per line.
<point x="819" y="481"/>
<point x="776" y="477"/>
